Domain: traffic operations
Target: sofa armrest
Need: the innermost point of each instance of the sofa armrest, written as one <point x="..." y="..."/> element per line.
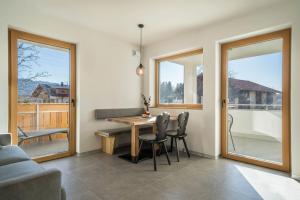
<point x="5" y="139"/>
<point x="44" y="185"/>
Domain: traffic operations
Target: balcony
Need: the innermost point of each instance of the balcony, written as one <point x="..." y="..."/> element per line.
<point x="34" y="117"/>
<point x="256" y="131"/>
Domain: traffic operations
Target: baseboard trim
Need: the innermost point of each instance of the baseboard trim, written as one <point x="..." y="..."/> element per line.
<point x="296" y="177"/>
<point x="88" y="152"/>
<point x="195" y="153"/>
<point x="204" y="155"/>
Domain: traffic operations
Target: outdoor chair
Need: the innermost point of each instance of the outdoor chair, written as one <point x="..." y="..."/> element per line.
<point x="230" y="123"/>
<point x="40" y="133"/>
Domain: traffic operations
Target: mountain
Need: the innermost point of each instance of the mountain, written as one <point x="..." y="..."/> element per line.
<point x="26" y="86"/>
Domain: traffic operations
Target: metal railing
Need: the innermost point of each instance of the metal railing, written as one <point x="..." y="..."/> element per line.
<point x="255" y="106"/>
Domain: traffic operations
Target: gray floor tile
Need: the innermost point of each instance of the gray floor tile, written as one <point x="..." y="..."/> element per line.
<point x="100" y="176"/>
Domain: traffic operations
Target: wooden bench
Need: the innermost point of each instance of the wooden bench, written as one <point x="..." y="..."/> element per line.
<point x="108" y="136"/>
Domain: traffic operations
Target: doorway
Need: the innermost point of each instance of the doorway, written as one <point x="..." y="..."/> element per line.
<point x="42" y="95"/>
<point x="256" y="100"/>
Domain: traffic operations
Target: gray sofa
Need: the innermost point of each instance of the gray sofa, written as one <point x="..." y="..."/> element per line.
<point x="23" y="179"/>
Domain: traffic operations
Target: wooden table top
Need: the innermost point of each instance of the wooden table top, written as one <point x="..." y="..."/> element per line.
<point x="137" y="120"/>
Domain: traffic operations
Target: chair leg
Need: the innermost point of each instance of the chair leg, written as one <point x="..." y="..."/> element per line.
<point x="160" y="147"/>
<point x="167" y="153"/>
<point x="50" y="138"/>
<point x="171" y="144"/>
<point x="154" y="156"/>
<point x="187" y="150"/>
<point x="20" y="142"/>
<point x="232" y="140"/>
<point x="140" y="148"/>
<point x="177" y="149"/>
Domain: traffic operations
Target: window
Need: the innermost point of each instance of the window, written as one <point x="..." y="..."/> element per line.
<point x="179" y="80"/>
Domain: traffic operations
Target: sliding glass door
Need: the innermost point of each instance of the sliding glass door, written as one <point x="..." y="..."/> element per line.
<point x="255" y="100"/>
<point x="42" y="95"/>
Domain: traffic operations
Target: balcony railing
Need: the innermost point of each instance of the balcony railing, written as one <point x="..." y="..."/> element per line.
<point x="38" y="116"/>
<point x="255" y="106"/>
<point x="258" y="121"/>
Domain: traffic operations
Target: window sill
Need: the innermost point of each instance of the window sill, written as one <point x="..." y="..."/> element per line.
<point x="186" y="106"/>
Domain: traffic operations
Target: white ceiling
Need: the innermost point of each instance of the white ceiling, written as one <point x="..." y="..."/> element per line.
<point x="162" y="18"/>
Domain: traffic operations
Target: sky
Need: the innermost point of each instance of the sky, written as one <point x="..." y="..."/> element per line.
<point x="264" y="69"/>
<point x="173" y="72"/>
<point x="170" y="71"/>
<point x="52" y="60"/>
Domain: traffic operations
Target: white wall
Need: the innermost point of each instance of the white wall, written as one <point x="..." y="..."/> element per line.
<point x="204" y="125"/>
<point x="105" y="68"/>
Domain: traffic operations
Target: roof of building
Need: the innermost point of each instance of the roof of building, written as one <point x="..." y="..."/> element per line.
<point x="250" y="86"/>
<point x="245" y="85"/>
<point x="52" y="90"/>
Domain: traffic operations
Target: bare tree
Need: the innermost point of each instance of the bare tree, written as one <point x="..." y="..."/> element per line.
<point x="28" y="55"/>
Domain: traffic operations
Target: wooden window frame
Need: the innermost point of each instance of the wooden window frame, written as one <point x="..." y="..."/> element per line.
<point x="174" y="106"/>
<point x="285" y="35"/>
<point x="14" y="36"/>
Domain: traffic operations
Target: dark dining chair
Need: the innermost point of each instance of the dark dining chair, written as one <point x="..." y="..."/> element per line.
<point x="180" y="133"/>
<point x="159" y="138"/>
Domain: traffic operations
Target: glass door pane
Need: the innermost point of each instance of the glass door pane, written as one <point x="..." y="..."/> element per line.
<point x="43" y="98"/>
<point x="255" y="100"/>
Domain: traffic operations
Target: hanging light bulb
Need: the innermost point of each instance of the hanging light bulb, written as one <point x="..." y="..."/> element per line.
<point x="140" y="68"/>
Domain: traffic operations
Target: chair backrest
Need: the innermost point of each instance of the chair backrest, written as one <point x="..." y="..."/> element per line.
<point x="182" y="123"/>
<point x="162" y="122"/>
<point x="230" y="122"/>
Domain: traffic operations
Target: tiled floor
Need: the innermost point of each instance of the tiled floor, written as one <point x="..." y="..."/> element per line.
<point x="99" y="176"/>
<point x="259" y="148"/>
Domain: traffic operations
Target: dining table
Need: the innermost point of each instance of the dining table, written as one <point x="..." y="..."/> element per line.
<point x="136" y="122"/>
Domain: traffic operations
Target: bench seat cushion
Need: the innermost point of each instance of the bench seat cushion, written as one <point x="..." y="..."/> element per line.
<point x="12" y="154"/>
<point x="116" y="131"/>
<point x="113" y="131"/>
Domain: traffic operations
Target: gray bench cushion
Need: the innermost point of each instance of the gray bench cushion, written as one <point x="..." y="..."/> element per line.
<point x="113" y="131"/>
<point x="119" y="112"/>
<point x="14" y="170"/>
<point x="12" y="154"/>
<point x="117" y="131"/>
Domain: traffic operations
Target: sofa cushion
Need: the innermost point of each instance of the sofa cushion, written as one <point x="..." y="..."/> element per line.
<point x="17" y="169"/>
<point x="12" y="154"/>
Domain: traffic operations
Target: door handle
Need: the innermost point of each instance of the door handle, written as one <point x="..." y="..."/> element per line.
<point x="223" y="103"/>
<point x="73" y="102"/>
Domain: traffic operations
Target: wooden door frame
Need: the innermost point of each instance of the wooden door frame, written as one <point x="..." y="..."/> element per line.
<point x="286" y="52"/>
<point x="14" y="35"/>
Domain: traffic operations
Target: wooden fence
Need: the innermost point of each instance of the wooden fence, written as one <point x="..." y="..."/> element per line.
<point x="33" y="117"/>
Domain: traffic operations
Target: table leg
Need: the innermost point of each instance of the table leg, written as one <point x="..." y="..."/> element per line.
<point x="134" y="141"/>
<point x="154" y="128"/>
